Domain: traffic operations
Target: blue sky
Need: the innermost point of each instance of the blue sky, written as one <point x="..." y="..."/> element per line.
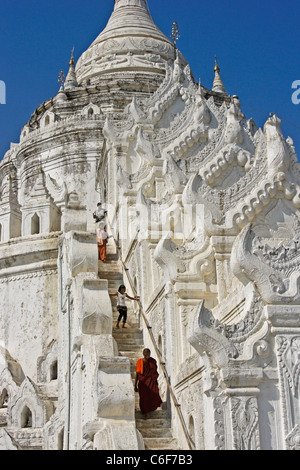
<point x="257" y="44"/>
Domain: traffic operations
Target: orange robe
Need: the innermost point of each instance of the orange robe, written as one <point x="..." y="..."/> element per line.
<point x="101" y="243"/>
<point x="102" y="250"/>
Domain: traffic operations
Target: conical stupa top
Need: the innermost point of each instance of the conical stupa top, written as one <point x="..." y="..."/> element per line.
<point x="131" y="17"/>
<point x="130" y="41"/>
<point x="218" y="84"/>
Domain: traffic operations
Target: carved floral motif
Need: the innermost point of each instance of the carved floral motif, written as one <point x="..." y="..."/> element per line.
<point x="245" y="423"/>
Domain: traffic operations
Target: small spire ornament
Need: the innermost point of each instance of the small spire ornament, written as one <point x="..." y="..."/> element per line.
<point x="72" y="61"/>
<point x="175" y="35"/>
<point x="218" y="84"/>
<point x="71" y="80"/>
<point x="61" y="79"/>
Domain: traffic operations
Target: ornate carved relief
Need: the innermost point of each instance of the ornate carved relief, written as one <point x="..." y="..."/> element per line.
<point x="273" y="271"/>
<point x="289" y="360"/>
<point x="293" y="439"/>
<point x="288" y="352"/>
<point x="245" y="423"/>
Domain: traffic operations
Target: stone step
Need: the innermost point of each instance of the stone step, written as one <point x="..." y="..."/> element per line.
<point x="113" y="266"/>
<point x="131" y="347"/>
<point x="137" y="349"/>
<point x="136" y="345"/>
<point x="157" y="414"/>
<point x="127" y="338"/>
<point x="111" y="246"/>
<point x="112" y="256"/>
<point x="130" y="327"/>
<point x="126" y="333"/>
<point x="132" y="356"/>
<point x="129" y="353"/>
<point x="138" y="340"/>
<point x="153" y="423"/>
<point x="128" y="341"/>
<point x="106" y="271"/>
<point x="155" y="432"/>
<point x="134" y="351"/>
<point x="110" y="265"/>
<point x="161" y="443"/>
<point x="131" y="322"/>
<point x="110" y="275"/>
<point x="123" y="330"/>
<point x="114" y="284"/>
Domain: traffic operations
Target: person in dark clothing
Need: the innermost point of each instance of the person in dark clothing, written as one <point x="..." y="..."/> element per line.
<point x="121" y="305"/>
<point x="100" y="213"/>
<point x="146" y="383"/>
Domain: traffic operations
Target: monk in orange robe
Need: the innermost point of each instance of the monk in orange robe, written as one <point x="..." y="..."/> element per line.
<point x="102" y="238"/>
<point x="146" y="383"/>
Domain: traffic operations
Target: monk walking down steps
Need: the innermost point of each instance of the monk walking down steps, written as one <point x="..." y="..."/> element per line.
<point x="102" y="238"/>
<point x="121" y="305"/>
<point x="146" y="383"/>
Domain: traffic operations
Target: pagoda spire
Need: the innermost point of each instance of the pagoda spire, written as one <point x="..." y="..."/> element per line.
<point x="218" y="84"/>
<point x="135" y="3"/>
<point x="131" y="37"/>
<point x="71" y="80"/>
<point x="61" y="95"/>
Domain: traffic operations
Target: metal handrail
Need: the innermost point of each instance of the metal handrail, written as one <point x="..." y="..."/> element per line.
<point x="161" y="363"/>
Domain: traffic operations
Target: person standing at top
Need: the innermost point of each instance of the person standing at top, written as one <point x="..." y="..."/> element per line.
<point x="121" y="304"/>
<point x="146" y="383"/>
<point x="100" y="213"/>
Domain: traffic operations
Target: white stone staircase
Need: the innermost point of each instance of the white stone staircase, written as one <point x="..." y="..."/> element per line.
<point x="156" y="430"/>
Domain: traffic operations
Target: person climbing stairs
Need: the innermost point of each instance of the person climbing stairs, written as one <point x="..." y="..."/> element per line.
<point x="156" y="430"/>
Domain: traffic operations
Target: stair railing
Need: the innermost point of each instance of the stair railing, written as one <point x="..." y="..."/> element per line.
<point x="158" y="354"/>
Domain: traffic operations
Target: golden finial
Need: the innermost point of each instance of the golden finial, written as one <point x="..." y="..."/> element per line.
<point x="217" y="68"/>
<point x="72" y="61"/>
